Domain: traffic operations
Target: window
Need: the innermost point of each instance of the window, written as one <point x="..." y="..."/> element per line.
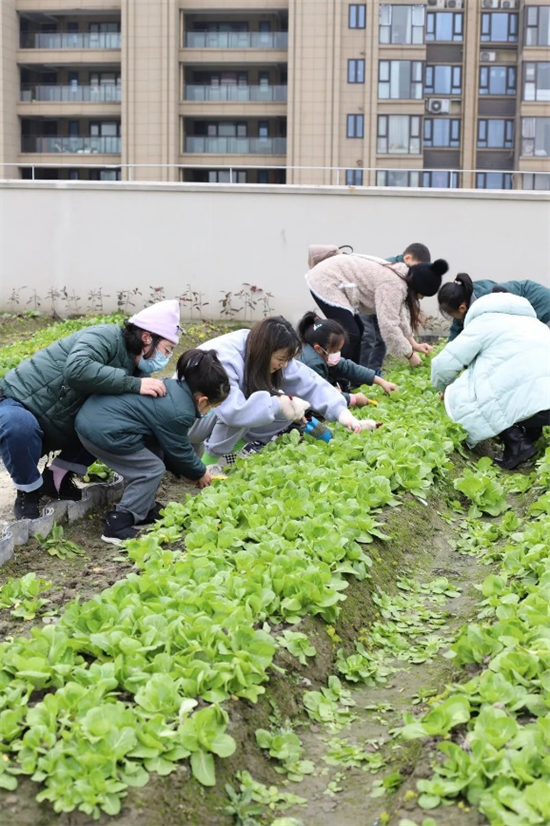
<point x="536" y="181"/>
<point x="400" y="80"/>
<point x="494" y="180"/>
<point x="397" y="177"/>
<point x="354" y="177"/>
<point x="356" y="71"/>
<point x="105" y="175"/>
<point x="440" y="179"/>
<point x="536" y="84"/>
<point x="398" y="135"/>
<point x="499" y="27"/>
<point x="535" y="137"/>
<point x="355" y="126"/>
<point x="442" y="132"/>
<point x="497" y="80"/>
<point x="263" y="129"/>
<point x="226" y="176"/>
<point x="357" y="16"/>
<point x="495" y="134"/>
<point x="444" y="26"/>
<point x="443" y="80"/>
<point x="401" y="24"/>
<point x="222" y="129"/>
<point x="537" y="25"/>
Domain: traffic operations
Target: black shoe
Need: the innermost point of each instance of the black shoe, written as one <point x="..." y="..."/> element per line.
<point x="518" y="448"/>
<point x="119" y="527"/>
<point x="153" y="515"/>
<point x="67" y="488"/>
<point x="27" y="504"/>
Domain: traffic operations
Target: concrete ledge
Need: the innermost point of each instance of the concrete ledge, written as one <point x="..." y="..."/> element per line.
<point x="20" y="531"/>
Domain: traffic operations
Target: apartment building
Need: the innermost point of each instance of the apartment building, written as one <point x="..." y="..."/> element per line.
<point x="444" y="93"/>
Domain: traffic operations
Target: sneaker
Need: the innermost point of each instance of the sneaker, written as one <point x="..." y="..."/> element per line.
<point x="119" y="527"/>
<point x="67" y="489"/>
<point x="27" y="504"/>
<point x="250" y="448"/>
<point x="153" y="516"/>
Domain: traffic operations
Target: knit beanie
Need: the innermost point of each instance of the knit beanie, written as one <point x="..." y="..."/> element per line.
<point x="425" y="279"/>
<point x="162" y="319"/>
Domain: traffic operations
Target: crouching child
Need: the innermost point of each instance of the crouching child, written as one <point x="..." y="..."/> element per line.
<point x="140" y="437"/>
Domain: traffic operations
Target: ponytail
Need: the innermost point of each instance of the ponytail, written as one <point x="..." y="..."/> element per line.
<point x="455" y="293"/>
<point x="322" y="331"/>
<point x="204" y="373"/>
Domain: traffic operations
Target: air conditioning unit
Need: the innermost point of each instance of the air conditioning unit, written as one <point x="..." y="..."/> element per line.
<point x="436" y="4"/>
<point x="487" y="57"/>
<point x="509" y="4"/>
<point x="453" y="4"/>
<point x="438" y="106"/>
<point x="490" y="4"/>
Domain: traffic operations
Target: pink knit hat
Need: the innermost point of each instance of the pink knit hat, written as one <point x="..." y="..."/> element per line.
<point x="162" y="319"/>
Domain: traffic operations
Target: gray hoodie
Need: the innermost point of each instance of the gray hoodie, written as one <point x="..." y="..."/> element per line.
<point x="261" y="408"/>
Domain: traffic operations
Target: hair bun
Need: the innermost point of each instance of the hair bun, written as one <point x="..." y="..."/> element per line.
<point x="439" y="266"/>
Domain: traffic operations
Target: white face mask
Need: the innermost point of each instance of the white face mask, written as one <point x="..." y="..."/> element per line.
<point x="333" y="358"/>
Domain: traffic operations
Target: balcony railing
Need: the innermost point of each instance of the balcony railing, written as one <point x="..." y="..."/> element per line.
<point x="236" y="40"/>
<point x="48" y="93"/>
<point x="235" y="146"/>
<point x="71" y="40"/>
<point x="89" y="145"/>
<point x="235" y="93"/>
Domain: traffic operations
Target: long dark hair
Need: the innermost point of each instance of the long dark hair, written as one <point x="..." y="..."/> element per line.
<point x="267" y="336"/>
<point x="455" y="293"/>
<point x="131" y="334"/>
<point x="322" y="331"/>
<point x="204" y="374"/>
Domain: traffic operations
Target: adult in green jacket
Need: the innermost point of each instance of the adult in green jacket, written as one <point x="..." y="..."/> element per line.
<point x="140" y="437"/>
<point x="322" y="341"/>
<point x="456" y="298"/>
<point x="40" y="398"/>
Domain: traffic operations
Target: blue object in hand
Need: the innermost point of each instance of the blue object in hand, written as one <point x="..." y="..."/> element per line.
<point x="318" y="430"/>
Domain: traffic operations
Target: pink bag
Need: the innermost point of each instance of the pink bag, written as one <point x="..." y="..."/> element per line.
<point x="318" y="252"/>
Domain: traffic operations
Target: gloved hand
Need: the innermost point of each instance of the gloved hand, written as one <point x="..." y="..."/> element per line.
<point x="300" y="406"/>
<point x="347" y="420"/>
<point x="292" y="408"/>
<point x="369" y="424"/>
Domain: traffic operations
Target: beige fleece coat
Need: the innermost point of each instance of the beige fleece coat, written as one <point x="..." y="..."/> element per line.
<point x="369" y="286"/>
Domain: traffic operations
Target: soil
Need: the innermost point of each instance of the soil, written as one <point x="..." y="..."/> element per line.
<point x="418" y="548"/>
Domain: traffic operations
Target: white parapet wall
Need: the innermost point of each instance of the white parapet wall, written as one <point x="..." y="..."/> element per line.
<point x="212" y="239"/>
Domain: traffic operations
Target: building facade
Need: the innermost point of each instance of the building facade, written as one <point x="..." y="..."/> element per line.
<point x="445" y="93"/>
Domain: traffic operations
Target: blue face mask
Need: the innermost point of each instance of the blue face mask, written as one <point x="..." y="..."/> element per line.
<point x="157" y="362"/>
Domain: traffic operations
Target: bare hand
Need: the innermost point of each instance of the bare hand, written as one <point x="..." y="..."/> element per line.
<point x="204" y="481"/>
<point x="415" y="361"/>
<point x="424" y="348"/>
<point x="360" y="400"/>
<point x="152" y="387"/>
<point x="388" y="386"/>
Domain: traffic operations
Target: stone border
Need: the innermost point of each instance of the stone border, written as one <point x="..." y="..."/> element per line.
<point x="19" y="532"/>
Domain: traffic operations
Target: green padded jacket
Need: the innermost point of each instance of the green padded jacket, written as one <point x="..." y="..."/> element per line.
<point x="54" y="383"/>
<point x="122" y="424"/>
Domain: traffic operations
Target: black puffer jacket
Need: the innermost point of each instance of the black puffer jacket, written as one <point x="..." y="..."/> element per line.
<point x="54" y="383"/>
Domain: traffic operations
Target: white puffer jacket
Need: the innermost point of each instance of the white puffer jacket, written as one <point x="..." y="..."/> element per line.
<point x="506" y="351"/>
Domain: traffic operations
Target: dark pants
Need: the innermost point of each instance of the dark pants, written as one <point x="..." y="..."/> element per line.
<point x="373" y="348"/>
<point x="351" y="323"/>
<point x="21" y="447"/>
<point x="540" y="419"/>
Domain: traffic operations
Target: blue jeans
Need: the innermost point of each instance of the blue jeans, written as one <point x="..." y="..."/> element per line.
<point x="373" y="348"/>
<point x="20" y="445"/>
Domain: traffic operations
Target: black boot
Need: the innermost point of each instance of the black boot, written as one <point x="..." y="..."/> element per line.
<point x="517" y="448"/>
<point x="119" y="527"/>
<point x="67" y="488"/>
<point x="153" y="515"/>
<point x="27" y="504"/>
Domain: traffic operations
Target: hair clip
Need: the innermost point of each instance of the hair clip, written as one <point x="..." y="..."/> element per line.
<point x="316" y="326"/>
